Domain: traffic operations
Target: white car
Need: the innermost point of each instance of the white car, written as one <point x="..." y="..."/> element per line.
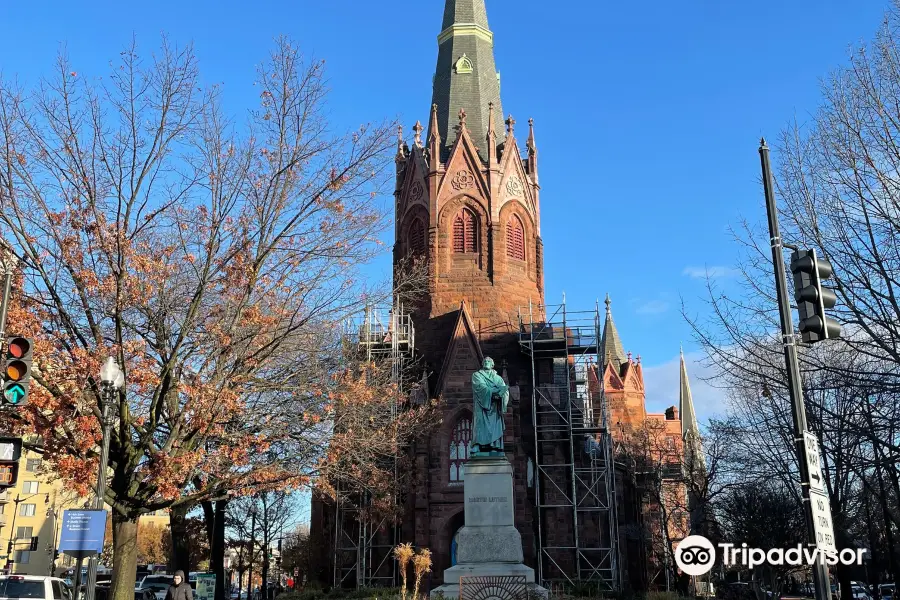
<point x="158" y="584"/>
<point x="33" y="586"/>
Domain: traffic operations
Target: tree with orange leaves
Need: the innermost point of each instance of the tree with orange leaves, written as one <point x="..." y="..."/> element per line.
<point x="214" y="263"/>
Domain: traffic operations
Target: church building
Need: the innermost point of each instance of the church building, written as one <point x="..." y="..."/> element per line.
<point x="468" y="204"/>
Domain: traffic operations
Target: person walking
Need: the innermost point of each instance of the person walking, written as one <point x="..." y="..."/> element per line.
<point x="180" y="588"/>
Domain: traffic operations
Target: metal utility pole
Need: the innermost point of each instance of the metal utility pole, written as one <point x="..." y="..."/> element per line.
<point x="111" y="381"/>
<point x="798" y="410"/>
<point x="8" y="262"/>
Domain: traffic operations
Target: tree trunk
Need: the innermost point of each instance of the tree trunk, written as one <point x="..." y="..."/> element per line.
<point x="252" y="555"/>
<point x="124" y="557"/>
<point x="217" y="549"/>
<point x="209" y="520"/>
<point x="265" y="558"/>
<point x="181" y="540"/>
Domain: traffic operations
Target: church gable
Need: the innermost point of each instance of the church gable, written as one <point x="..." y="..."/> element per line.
<point x="463" y="170"/>
<point x="514" y="183"/>
<point x="464" y="357"/>
<point x="414" y="190"/>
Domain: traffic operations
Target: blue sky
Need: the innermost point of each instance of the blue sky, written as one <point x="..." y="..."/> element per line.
<point x="647" y="115"/>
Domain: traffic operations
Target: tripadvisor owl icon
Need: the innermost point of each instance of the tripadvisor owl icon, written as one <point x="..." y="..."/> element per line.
<point x="695" y="555"/>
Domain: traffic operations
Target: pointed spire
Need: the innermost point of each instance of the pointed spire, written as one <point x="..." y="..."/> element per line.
<point x="402" y="148"/>
<point x="466" y="75"/>
<point x="491" y="136"/>
<point x="417" y="130"/>
<point x="434" y="139"/>
<point x="686" y="404"/>
<point x="532" y="148"/>
<point x="510" y="126"/>
<point x="465" y="11"/>
<point x="611" y="349"/>
<point x="690" y="432"/>
<point x="532" y="152"/>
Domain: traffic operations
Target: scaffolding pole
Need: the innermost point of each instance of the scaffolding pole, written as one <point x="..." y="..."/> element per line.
<point x="574" y="471"/>
<point x="360" y="557"/>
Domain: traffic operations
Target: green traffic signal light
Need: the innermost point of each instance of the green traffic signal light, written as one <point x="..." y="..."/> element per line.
<point x="17" y="370"/>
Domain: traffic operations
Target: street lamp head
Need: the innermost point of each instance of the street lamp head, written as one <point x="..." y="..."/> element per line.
<point x="111" y="374"/>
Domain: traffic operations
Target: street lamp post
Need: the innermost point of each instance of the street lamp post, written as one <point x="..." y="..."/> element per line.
<point x="111" y="381"/>
<point x="51" y="547"/>
<point x="12" y="528"/>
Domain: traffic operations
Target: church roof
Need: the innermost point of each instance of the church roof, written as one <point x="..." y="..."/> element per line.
<point x="466" y="76"/>
<point x="610" y="345"/>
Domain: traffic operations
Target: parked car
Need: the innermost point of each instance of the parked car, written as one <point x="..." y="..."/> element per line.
<point x="158" y="584"/>
<point x="34" y="586"/>
<point x="144" y="594"/>
<point x="886" y="591"/>
<point x="859" y="591"/>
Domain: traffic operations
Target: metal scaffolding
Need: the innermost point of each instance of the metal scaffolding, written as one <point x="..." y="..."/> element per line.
<point x="362" y="546"/>
<point x="574" y="481"/>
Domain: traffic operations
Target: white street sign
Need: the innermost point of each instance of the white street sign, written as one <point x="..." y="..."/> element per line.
<point x="822" y="525"/>
<point x="813" y="463"/>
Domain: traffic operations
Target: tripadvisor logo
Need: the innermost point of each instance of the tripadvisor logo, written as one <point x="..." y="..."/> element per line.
<point x="695" y="555"/>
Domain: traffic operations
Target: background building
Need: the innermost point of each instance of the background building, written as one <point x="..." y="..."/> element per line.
<point x="31" y="516"/>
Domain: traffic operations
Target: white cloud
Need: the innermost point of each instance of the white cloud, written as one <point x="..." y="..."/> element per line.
<point x="661" y="384"/>
<point x="711" y="272"/>
<point x="653" y="307"/>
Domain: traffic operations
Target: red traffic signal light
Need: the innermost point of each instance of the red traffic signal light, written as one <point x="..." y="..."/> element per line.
<point x="18" y="347"/>
<point x="17" y="370"/>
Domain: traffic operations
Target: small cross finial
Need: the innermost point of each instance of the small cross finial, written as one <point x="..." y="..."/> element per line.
<point x="462" y="117"/>
<point x="607" y="302"/>
<point x="531" y="122"/>
<point x="510" y="124"/>
<point x="399" y="133"/>
<point x="629" y="357"/>
<point x="418" y="129"/>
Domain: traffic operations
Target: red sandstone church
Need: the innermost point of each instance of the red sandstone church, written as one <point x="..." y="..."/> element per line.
<point x="595" y="475"/>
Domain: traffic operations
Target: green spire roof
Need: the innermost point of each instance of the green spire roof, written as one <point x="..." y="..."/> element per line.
<point x="611" y="348"/>
<point x="686" y="404"/>
<point x="466" y="76"/>
<point x="465" y="11"/>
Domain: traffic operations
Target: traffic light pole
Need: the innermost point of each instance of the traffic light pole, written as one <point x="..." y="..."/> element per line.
<point x="821" y="578"/>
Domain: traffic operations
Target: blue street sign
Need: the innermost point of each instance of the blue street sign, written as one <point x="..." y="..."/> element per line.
<point x="82" y="532"/>
<point x="14" y="393"/>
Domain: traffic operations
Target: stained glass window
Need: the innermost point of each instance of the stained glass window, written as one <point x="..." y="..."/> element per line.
<point x="459" y="449"/>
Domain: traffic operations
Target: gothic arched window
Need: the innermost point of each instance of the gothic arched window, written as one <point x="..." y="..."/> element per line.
<point x="515" y="238"/>
<point x="459" y="449"/>
<point x="417" y="237"/>
<point x="465" y="232"/>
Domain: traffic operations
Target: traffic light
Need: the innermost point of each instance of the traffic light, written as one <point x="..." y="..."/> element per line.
<point x="34" y="543"/>
<point x="10" y="452"/>
<point x="812" y="299"/>
<point x="17" y="370"/>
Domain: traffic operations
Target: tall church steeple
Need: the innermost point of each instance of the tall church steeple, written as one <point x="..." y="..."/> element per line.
<point x="466" y="76"/>
<point x="611" y="348"/>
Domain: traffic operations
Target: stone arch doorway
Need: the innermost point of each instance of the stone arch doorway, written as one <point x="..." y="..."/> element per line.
<point x="456" y="523"/>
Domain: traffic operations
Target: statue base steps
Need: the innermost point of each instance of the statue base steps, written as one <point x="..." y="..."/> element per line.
<point x="489" y="545"/>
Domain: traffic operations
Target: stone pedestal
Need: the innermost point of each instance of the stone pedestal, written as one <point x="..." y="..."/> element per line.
<point x="489" y="543"/>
